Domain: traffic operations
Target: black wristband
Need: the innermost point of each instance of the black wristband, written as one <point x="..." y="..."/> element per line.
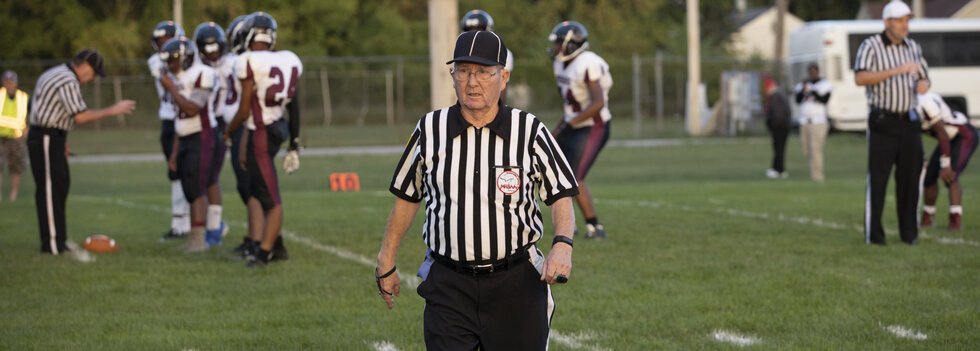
<point x="562" y="239"/>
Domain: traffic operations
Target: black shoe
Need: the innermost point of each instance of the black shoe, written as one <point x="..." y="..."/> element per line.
<point x="279" y="254"/>
<point x="173" y="234"/>
<point x="242" y="247"/>
<point x="250" y="249"/>
<point x="876" y="243"/>
<point x="259" y="259"/>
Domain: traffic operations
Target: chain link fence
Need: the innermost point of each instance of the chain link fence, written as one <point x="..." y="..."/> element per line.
<point x="647" y="99"/>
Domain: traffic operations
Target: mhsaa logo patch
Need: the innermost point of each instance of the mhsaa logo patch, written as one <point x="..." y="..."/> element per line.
<point x="509" y="182"/>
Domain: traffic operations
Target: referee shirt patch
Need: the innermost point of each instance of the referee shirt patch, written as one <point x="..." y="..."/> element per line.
<point x="508" y="180"/>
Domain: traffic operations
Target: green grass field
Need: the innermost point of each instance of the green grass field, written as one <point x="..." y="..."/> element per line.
<point x="702" y="249"/>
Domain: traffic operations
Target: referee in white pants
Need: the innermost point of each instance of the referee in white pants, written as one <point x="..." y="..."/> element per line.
<point x="57" y="106"/>
<point x="889" y="64"/>
<point x="478" y="165"/>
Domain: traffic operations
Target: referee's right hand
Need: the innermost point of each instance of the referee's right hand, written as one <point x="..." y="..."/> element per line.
<point x="122" y="107"/>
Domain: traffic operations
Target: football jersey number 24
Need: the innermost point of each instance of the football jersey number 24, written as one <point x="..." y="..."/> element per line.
<point x="274" y="95"/>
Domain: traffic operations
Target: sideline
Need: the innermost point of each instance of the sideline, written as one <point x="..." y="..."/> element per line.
<point x="389" y="150"/>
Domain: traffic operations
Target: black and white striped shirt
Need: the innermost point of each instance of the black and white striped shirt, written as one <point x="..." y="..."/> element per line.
<point x="57" y="99"/>
<point x="878" y="53"/>
<point x="479" y="183"/>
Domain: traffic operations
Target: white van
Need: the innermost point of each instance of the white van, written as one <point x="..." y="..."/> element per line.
<point x="951" y="49"/>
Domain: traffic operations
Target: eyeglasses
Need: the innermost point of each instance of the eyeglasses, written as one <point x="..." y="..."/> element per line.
<point x="461" y="74"/>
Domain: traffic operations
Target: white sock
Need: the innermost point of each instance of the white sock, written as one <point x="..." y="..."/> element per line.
<point x="929" y="209"/>
<point x="178" y="208"/>
<point x="957" y="209"/>
<point x="214" y="217"/>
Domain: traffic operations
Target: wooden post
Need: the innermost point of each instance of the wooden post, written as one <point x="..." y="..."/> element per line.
<point x="693" y="69"/>
<point x="325" y="95"/>
<point x="443" y="29"/>
<point x="390" y="97"/>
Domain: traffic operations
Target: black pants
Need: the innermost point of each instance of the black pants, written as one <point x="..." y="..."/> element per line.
<point x="779" y="136"/>
<point x="505" y="310"/>
<point x="49" y="165"/>
<point x="241" y="176"/>
<point x="893" y="139"/>
<point x="167" y="135"/>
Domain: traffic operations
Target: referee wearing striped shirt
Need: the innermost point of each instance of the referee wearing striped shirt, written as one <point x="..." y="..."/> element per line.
<point x="478" y="165"/>
<point x="57" y="107"/>
<point x="889" y="64"/>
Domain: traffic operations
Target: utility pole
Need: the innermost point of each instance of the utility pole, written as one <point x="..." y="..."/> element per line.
<point x="179" y="13"/>
<point x="693" y="69"/>
<point x="919" y="8"/>
<point x="780" y="29"/>
<point x="442" y="40"/>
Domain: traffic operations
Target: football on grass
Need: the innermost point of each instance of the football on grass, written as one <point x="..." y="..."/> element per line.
<point x="99" y="244"/>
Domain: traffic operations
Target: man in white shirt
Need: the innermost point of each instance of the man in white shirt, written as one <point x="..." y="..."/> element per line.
<point x="812" y="96"/>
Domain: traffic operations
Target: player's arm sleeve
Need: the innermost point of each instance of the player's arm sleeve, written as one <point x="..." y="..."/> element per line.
<point x="71" y="98"/>
<point x="823" y="98"/>
<point x="407" y="180"/>
<point x="552" y="170"/>
<point x="293" y="108"/>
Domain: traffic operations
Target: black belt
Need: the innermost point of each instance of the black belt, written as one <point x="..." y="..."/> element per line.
<point x="513" y="260"/>
<point x="49" y="130"/>
<point x="889" y="114"/>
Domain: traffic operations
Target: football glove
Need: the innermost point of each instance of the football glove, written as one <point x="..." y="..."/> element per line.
<point x="291" y="161"/>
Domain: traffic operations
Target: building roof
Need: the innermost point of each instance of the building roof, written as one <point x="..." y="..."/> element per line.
<point x="741" y="19"/>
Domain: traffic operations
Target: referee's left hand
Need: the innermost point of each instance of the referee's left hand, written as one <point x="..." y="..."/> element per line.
<point x="389" y="287"/>
<point x="559" y="261"/>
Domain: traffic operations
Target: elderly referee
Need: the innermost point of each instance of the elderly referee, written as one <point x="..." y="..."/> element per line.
<point x="57" y="106"/>
<point x="478" y="165"/>
<point x="889" y="64"/>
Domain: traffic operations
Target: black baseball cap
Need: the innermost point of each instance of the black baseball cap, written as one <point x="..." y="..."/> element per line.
<point x="480" y="47"/>
<point x="93" y="58"/>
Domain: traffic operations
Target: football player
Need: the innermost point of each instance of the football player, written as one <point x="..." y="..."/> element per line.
<point x="191" y="84"/>
<point x="180" y="221"/>
<point x="957" y="142"/>
<point x="232" y="97"/>
<point x="480" y="20"/>
<point x="583" y="82"/>
<point x="269" y="82"/>
<point x="209" y="38"/>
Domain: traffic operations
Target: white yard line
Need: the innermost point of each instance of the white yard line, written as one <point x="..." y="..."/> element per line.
<point x="905" y="333"/>
<point x="577" y="341"/>
<point x="734" y="338"/>
<point x="383" y="346"/>
<point x="411" y="281"/>
<point x="809" y="221"/>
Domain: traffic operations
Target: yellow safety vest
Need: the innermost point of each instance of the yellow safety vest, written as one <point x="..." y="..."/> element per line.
<point x="13" y="126"/>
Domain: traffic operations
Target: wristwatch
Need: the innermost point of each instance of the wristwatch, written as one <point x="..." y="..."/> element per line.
<point x="562" y="239"/>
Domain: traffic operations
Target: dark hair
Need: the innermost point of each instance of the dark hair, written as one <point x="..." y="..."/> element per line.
<point x="813" y="66"/>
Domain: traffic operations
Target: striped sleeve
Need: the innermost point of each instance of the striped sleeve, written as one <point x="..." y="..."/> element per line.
<point x="71" y="98"/>
<point x="924" y="71"/>
<point x="864" y="57"/>
<point x="553" y="173"/>
<point x="407" y="181"/>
